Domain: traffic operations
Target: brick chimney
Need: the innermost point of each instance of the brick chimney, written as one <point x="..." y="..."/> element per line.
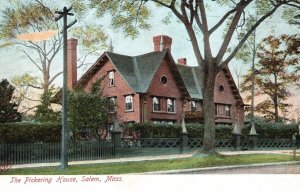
<point x="182" y="61"/>
<point x="162" y="42"/>
<point x="72" y="62"/>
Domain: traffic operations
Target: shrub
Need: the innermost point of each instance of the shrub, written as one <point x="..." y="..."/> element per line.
<point x="29" y="132"/>
<point x="272" y="130"/>
<point x="195" y="130"/>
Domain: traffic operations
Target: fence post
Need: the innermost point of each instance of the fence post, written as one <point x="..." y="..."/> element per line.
<point x="184" y="141"/>
<point x="236" y="137"/>
<point x="253" y="138"/>
<point x="116" y="139"/>
<point x="184" y="135"/>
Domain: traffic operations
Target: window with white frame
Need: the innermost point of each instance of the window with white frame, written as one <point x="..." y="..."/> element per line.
<point x="171" y="105"/>
<point x="223" y="110"/>
<point x="193" y="106"/>
<point x="156" y="104"/>
<point x="111" y="78"/>
<point x="227" y="110"/>
<point x="112" y="104"/>
<point x="129" y="103"/>
<point x="162" y="121"/>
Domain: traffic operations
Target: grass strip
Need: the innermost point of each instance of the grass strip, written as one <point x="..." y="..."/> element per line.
<point x="159" y="165"/>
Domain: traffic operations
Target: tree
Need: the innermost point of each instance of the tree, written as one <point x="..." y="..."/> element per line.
<point x="88" y="111"/>
<point x="8" y="108"/>
<point x="34" y="19"/>
<point x="44" y="112"/>
<point x="24" y="85"/>
<point x="132" y="16"/>
<point x="277" y="73"/>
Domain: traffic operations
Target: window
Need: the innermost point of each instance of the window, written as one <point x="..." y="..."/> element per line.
<point x="109" y="130"/>
<point x="156" y="104"/>
<point x="111" y="78"/>
<point x="223" y="110"/>
<point x="171" y="105"/>
<point x="221" y="88"/>
<point x="129" y="103"/>
<point x="193" y="106"/>
<point x="227" y="110"/>
<point x="169" y="122"/>
<point x="164" y="80"/>
<point x="112" y="104"/>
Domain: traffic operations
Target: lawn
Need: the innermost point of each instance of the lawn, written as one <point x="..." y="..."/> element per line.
<point x="159" y="165"/>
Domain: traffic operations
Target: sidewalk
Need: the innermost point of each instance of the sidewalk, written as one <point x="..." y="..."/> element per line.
<point x="115" y="160"/>
<point x="151" y="158"/>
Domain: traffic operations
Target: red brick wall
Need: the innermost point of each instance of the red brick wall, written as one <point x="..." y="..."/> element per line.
<point x="167" y="42"/>
<point x="226" y="97"/>
<point x="170" y="90"/>
<point x="119" y="90"/>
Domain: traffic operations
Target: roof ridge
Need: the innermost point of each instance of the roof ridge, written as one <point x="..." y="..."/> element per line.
<point x="196" y="81"/>
<point x="137" y="72"/>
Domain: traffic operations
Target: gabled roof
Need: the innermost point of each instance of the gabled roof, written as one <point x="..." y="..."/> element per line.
<point x="190" y="76"/>
<point x="137" y="71"/>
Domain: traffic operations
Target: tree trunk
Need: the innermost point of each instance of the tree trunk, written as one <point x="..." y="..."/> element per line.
<point x="276" y="100"/>
<point x="46" y="83"/>
<point x="209" y="110"/>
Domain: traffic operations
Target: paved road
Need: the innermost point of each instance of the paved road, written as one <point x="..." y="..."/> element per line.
<point x="283" y="169"/>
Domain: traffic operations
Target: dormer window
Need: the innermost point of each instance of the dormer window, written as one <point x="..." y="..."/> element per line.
<point x="129" y="103"/>
<point x="193" y="106"/>
<point x="111" y="78"/>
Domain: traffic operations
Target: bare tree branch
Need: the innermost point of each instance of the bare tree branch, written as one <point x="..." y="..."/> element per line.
<point x="214" y="28"/>
<point x="237" y="48"/>
<point x="33" y="61"/>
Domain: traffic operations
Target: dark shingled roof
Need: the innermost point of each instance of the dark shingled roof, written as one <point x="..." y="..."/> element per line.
<point x="190" y="76"/>
<point x="138" y="71"/>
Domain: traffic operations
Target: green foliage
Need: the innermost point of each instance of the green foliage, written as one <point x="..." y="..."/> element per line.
<point x="88" y="111"/>
<point x="26" y="17"/>
<point x="195" y="130"/>
<point x="130" y="16"/>
<point x="44" y="112"/>
<point x="8" y="108"/>
<point x="266" y="130"/>
<point x="29" y="132"/>
<point x="277" y="73"/>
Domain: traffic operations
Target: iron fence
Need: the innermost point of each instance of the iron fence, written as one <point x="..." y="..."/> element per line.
<point x="276" y="143"/>
<point x="151" y="142"/>
<point x="27" y="153"/>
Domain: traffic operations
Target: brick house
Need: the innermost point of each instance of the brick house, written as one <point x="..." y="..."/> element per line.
<point x="153" y="88"/>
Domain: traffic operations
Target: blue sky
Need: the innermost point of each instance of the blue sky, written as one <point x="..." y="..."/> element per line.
<point x="14" y="62"/>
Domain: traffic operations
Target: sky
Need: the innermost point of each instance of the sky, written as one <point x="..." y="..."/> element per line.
<point x="14" y="62"/>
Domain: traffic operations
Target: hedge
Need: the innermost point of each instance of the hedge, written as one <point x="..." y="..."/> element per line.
<point x="29" y="132"/>
<point x="195" y="130"/>
<point x="272" y="130"/>
<point x="51" y="132"/>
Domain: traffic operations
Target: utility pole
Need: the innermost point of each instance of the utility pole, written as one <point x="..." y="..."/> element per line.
<point x="253" y="130"/>
<point x="65" y="130"/>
